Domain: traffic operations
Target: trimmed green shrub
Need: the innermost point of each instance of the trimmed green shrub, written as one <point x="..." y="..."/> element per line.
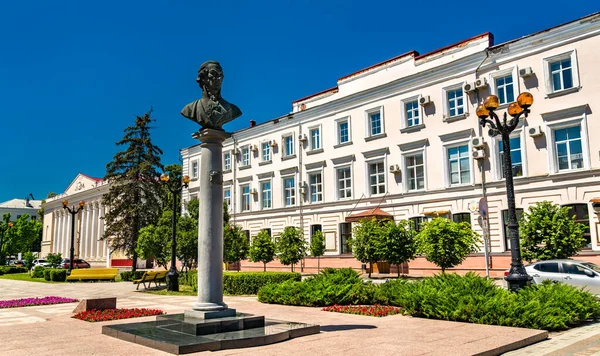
<point x="47" y="274"/>
<point x="130" y="276"/>
<point x="58" y="275"/>
<point x="245" y="283"/>
<point x="12" y="270"/>
<point x="38" y="272"/>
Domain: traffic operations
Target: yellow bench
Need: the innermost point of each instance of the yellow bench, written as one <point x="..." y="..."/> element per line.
<point x="151" y="276"/>
<point x="81" y="274"/>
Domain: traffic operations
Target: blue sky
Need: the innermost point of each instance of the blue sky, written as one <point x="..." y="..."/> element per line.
<point x="74" y="74"/>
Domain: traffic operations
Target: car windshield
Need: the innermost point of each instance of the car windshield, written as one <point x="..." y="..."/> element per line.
<point x="591" y="265"/>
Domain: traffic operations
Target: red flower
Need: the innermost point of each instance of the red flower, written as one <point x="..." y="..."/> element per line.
<point x="95" y="315"/>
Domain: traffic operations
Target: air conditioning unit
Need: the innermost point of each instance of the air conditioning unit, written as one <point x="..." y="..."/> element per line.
<point x="394" y="168"/>
<point x="535" y="131"/>
<point x="479" y="154"/>
<point x="254" y="148"/>
<point x="469" y="87"/>
<point x="481" y="83"/>
<point x="424" y="100"/>
<point x="477" y="142"/>
<point x="302" y="138"/>
<point x="525" y="72"/>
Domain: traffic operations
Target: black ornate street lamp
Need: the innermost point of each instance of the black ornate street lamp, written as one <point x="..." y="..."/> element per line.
<point x="175" y="189"/>
<point x="517" y="277"/>
<point x="73" y="211"/>
<point x="5" y="229"/>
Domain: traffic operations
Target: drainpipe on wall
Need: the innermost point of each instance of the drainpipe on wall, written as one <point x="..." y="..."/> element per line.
<point x="301" y="198"/>
<point x="233" y="183"/>
<point x="486" y="221"/>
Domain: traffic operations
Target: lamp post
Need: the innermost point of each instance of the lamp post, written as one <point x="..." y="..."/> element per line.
<point x="5" y="229"/>
<point x="517" y="277"/>
<point x="73" y="211"/>
<point x="175" y="189"/>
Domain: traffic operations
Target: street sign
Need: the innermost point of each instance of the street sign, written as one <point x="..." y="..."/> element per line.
<point x="483" y="207"/>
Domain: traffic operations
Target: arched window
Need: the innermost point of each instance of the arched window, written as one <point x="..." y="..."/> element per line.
<point x="582" y="215"/>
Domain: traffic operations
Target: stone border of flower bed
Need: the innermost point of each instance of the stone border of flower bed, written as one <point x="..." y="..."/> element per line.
<point x="368" y="310"/>
<point x="27" y="302"/>
<point x="96" y="315"/>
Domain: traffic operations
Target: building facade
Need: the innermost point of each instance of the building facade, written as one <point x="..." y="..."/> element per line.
<point x="18" y="207"/>
<point x="402" y="136"/>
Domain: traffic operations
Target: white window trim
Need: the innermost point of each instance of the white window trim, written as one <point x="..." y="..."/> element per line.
<point x="372" y="160"/>
<point x="283" y="145"/>
<point x="352" y="190"/>
<point x="260" y="183"/>
<point x="242" y="148"/>
<point x="550" y="143"/>
<point x="406" y="154"/>
<point x="194" y="175"/>
<point x="368" y="112"/>
<point x="446" y="109"/>
<point x="574" y="70"/>
<point x="514" y="72"/>
<point x="403" y="117"/>
<point x="230" y="160"/>
<point x="310" y="145"/>
<point x="313" y="171"/>
<point x="337" y="132"/>
<point x="262" y="158"/>
<point x="296" y="190"/>
<point x="230" y="204"/>
<point x="242" y="197"/>
<point x="495" y="148"/>
<point x="448" y="145"/>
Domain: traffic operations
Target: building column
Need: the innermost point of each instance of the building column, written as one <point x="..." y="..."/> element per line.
<point x="93" y="252"/>
<point x="86" y="240"/>
<point x="63" y="233"/>
<point x="99" y="248"/>
<point x="55" y="234"/>
<point x="68" y="236"/>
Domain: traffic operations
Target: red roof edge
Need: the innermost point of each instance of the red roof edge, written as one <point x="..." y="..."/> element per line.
<point x="334" y="90"/>
<point x="458" y="44"/>
<point x="92" y="178"/>
<point x="412" y="53"/>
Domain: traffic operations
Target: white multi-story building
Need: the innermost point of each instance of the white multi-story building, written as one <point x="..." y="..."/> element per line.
<point x="18" y="207"/>
<point x="402" y="137"/>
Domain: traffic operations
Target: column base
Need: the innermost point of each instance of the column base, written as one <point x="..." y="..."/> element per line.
<point x="209" y="314"/>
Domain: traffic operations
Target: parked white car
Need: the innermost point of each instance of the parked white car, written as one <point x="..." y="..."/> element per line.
<point x="572" y="272"/>
<point x="41" y="262"/>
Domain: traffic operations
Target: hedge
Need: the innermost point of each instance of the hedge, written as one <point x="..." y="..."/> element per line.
<point x="38" y="272"/>
<point x="55" y="274"/>
<point x="129" y="275"/>
<point x="243" y="283"/>
<point x="12" y="270"/>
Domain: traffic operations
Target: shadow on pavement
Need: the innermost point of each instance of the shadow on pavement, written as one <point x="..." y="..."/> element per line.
<point x="329" y="328"/>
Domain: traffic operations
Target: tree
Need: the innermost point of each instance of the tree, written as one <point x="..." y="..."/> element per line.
<point x="397" y="243"/>
<point x="291" y="246"/>
<point x="134" y="196"/>
<point x="54" y="259"/>
<point x="51" y="195"/>
<point x="446" y="243"/>
<point x="548" y="232"/>
<point x="235" y="244"/>
<point x="187" y="240"/>
<point x="365" y="241"/>
<point x="155" y="240"/>
<point x="29" y="257"/>
<point x="19" y="237"/>
<point x="317" y="247"/>
<point x="262" y="249"/>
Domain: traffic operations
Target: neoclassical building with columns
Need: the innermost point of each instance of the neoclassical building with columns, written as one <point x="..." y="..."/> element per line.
<point x="89" y="224"/>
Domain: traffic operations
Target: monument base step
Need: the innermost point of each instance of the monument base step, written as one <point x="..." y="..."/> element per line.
<point x="173" y="333"/>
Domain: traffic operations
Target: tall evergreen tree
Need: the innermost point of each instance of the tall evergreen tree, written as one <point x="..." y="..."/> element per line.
<point x="134" y="197"/>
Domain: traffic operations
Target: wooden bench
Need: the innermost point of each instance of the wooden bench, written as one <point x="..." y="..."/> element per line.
<point x="81" y="274"/>
<point x="151" y="276"/>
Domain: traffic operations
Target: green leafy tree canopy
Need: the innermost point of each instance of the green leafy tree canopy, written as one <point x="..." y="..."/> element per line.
<point x="54" y="259"/>
<point x="262" y="249"/>
<point x="235" y="244"/>
<point x="155" y="240"/>
<point x="446" y="243"/>
<point x="19" y="237"/>
<point x="365" y="241"/>
<point x="548" y="231"/>
<point x="397" y="244"/>
<point x="291" y="246"/>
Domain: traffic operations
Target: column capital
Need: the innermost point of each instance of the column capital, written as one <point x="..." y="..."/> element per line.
<point x="211" y="136"/>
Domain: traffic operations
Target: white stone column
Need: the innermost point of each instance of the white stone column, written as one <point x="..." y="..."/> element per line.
<point x="94" y="231"/>
<point x="99" y="249"/>
<point x="86" y="233"/>
<point x="210" y="225"/>
<point x="55" y="230"/>
<point x="68" y="236"/>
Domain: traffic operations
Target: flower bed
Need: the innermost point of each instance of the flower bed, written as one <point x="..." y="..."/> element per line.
<point x="26" y="302"/>
<point x="369" y="310"/>
<point x="116" y="314"/>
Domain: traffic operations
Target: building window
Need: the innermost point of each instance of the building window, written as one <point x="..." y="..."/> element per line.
<point x="505" y="225"/>
<point x="245" y="203"/>
<point x="504" y="89"/>
<point x="266" y="151"/>
<point x="344" y="180"/>
<point x="268" y="230"/>
<point x="194" y="169"/>
<point x="462" y="217"/>
<point x="561" y="74"/>
<point x="459" y="165"/>
<point x="343" y="131"/>
<point x="568" y="148"/>
<point x="315" y="138"/>
<point x="289" y="191"/>
<point x="455" y="102"/>
<point x="377" y="178"/>
<point x="375" y="122"/>
<point x="345" y="236"/>
<point x="227" y="196"/>
<point x="246" y="156"/>
<point x="581" y="214"/>
<point x="288" y="145"/>
<point x="417" y="222"/>
<point x="415" y="172"/>
<point x="227" y="161"/>
<point x="412" y="109"/>
<point x="316" y="187"/>
<point x="265" y="195"/>
<point x="515" y="154"/>
<point x="247" y="234"/>
<point x="314" y="229"/>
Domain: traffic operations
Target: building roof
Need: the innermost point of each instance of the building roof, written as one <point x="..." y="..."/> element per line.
<point x="21" y="204"/>
<point x="371" y="213"/>
<point x="92" y="178"/>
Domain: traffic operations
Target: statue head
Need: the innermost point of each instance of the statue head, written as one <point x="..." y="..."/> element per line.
<point x="210" y="78"/>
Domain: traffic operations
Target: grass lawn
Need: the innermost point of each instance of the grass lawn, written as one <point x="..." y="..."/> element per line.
<point x="25" y="277"/>
<point x="183" y="291"/>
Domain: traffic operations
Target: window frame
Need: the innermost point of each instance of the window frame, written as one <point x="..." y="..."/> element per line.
<point x="227" y="198"/>
<point x="262" y="191"/>
<point x="243" y="196"/>
<point x="195" y="169"/>
<point x="311" y="129"/>
<point x="338" y="122"/>
<point x="309" y="174"/>
<point x="551" y="143"/>
<point x="242" y="150"/>
<point x="572" y="55"/>
<point x="369" y="162"/>
<point x="337" y="180"/>
<point x="404" y="113"/>
<point x="588" y="222"/>
<point x="285" y="146"/>
<point x="344" y="237"/>
<point x="446" y="101"/>
<point x="447" y="172"/>
<point x="226" y="166"/>
<point x="369" y="128"/>
<point x="512" y="71"/>
<point x="405" y="171"/>
<point x="497" y="166"/>
<point x="262" y="152"/>
<point x="294" y="195"/>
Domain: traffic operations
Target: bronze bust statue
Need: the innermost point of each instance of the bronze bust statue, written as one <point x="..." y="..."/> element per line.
<point x="211" y="111"/>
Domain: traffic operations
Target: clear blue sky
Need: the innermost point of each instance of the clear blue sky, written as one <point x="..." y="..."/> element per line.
<point x="73" y="74"/>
